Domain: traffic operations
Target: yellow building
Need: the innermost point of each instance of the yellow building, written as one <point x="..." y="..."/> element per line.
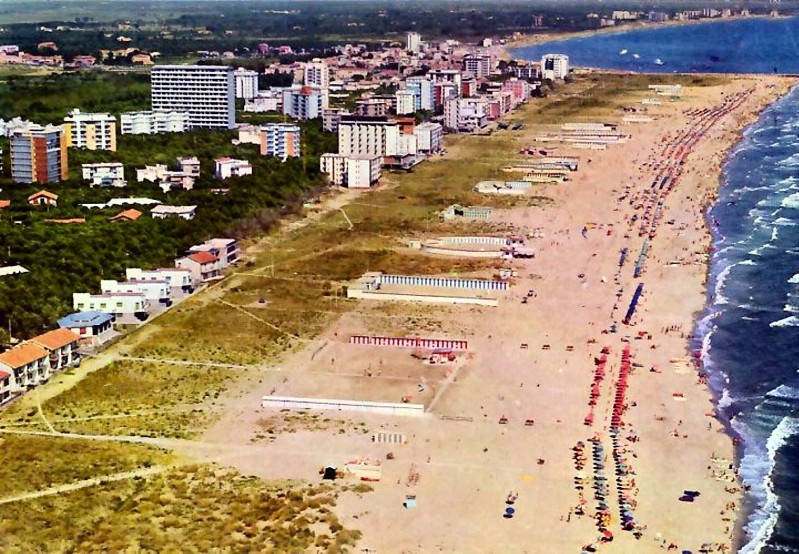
<point x="92" y="131"/>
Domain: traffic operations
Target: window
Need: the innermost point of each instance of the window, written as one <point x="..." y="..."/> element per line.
<point x="82" y="331"/>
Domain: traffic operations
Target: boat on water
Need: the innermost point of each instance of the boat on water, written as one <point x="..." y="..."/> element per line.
<point x="636" y="56"/>
<point x="623" y="52"/>
<point x="658" y="62"/>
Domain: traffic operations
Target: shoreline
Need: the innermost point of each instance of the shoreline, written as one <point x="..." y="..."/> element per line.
<point x="555" y="36"/>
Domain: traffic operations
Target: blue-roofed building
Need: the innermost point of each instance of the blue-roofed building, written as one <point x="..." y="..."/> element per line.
<point x="94" y="328"/>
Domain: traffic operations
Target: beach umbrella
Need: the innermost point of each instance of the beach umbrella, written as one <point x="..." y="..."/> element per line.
<point x="509" y="512"/>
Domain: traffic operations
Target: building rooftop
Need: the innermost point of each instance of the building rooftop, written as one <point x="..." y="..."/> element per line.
<point x="44" y="193"/>
<point x="203" y="258"/>
<point x="85" y="319"/>
<point x="22" y="355"/>
<point x="57" y="338"/>
<point x="164" y="209"/>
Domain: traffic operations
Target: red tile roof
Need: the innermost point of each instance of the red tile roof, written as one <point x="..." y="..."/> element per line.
<point x="22" y="355"/>
<point x="5" y="203"/>
<point x="203" y="258"/>
<point x="56" y="339"/>
<point x="131" y="215"/>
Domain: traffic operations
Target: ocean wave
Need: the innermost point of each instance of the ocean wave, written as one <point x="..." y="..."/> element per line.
<point x="794" y="280"/>
<point x="783" y="391"/>
<point x="791" y="321"/>
<point x="747" y="262"/>
<point x="790" y="161"/>
<point x="788" y="308"/>
<point x="784" y="221"/>
<point x="762" y="522"/>
<point x="791" y="201"/>
<point x="718" y="297"/>
<point x="759" y="250"/>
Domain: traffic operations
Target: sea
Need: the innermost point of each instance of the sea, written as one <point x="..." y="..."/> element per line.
<point x="749" y="331"/>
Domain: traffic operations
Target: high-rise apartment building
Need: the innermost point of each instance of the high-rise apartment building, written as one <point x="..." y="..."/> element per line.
<point x="478" y="65"/>
<point x="317" y="74"/>
<point x="554" y="66"/>
<point x="414" y="43"/>
<point x="304" y="102"/>
<point x="206" y="92"/>
<point x="38" y="154"/>
<point x="405" y="102"/>
<point x="92" y="131"/>
<point x="281" y="140"/>
<point x="246" y="83"/>
<point x="365" y="135"/>
<point x="424" y="93"/>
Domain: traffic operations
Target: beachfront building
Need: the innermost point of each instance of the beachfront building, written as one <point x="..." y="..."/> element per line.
<point x="229" y="167"/>
<point x="376" y="136"/>
<point x="153" y="122"/>
<point x="178" y="279"/>
<point x="317" y="74"/>
<point x="93" y="328"/>
<point x="38" y="154"/>
<point x="227" y="250"/>
<point x="304" y="102"/>
<point x="156" y="292"/>
<point x="352" y="171"/>
<point x="429" y="137"/>
<point x="61" y="346"/>
<point x="109" y="174"/>
<point x="121" y="305"/>
<point x="203" y="266"/>
<point x="26" y="366"/>
<point x="554" y="66"/>
<point x="91" y="131"/>
<point x="246" y="83"/>
<point x="206" y="92"/>
<point x="281" y="140"/>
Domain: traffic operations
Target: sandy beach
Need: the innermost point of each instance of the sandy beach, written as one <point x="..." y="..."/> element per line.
<point x="510" y="413"/>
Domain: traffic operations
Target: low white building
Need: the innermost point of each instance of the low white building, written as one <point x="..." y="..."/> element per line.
<point x="156" y="292"/>
<point x="189" y="165"/>
<point x="23" y="367"/>
<point x="118" y="304"/>
<point x="353" y="171"/>
<point x="430" y="137"/>
<point x="227" y="250"/>
<point x="265" y="101"/>
<point x="150" y="123"/>
<point x="175" y="277"/>
<point x="110" y="174"/>
<point x="163" y="211"/>
<point x="229" y="167"/>
<point x="151" y="173"/>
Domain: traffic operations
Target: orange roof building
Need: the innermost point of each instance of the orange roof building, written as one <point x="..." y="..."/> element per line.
<point x="126" y="215"/>
<point x="53" y="340"/>
<point x="203" y="258"/>
<point x="22" y="355"/>
<point x="5" y="203"/>
<point x="43" y="197"/>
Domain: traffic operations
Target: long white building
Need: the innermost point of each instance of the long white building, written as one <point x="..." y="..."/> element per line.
<point x="206" y="92"/>
<point x="159" y="292"/>
<point x="364" y="135"/>
<point x="150" y="123"/>
<point x="176" y="278"/>
<point x="118" y="304"/>
<point x="108" y="174"/>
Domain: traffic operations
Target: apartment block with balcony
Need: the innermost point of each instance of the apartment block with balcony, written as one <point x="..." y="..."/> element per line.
<point x="91" y="131"/>
<point x="28" y="365"/>
<point x="153" y="122"/>
<point x="206" y="92"/>
<point x="38" y="154"/>
<point x="62" y="348"/>
<point x="281" y="140"/>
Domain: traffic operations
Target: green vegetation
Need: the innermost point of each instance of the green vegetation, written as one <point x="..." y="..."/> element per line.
<point x="64" y="258"/>
<point x="48" y="98"/>
<point x="193" y="508"/>
<point x="32" y="463"/>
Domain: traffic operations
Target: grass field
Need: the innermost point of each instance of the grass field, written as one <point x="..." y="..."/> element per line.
<point x="189" y="509"/>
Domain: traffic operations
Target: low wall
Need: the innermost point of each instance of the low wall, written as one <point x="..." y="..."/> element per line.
<point x="443" y="250"/>
<point x="371" y="295"/>
<point x="303" y="403"/>
<point x="410" y="342"/>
